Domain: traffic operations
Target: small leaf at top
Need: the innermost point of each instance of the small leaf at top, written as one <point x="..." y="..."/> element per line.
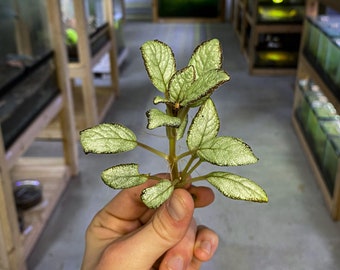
<point x="123" y="176"/>
<point x="156" y="195"/>
<point x="157" y="118"/>
<point x="180" y="82"/>
<point x="227" y="151"/>
<point x="159" y="63"/>
<point x="107" y="138"/>
<point x="204" y="127"/>
<point x="207" y="56"/>
<point x="159" y="99"/>
<point x="237" y="187"/>
<point x="204" y="86"/>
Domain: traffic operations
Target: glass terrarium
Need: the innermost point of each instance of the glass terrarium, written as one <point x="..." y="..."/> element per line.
<point x="94" y="13"/>
<point x="24" y="37"/>
<point x="189" y="8"/>
<point x="281" y="11"/>
<point x="332" y="61"/>
<point x="96" y="25"/>
<point x="26" y="65"/>
<point x="330" y="165"/>
<point x="330" y="28"/>
<point x="309" y="92"/>
<point x="321" y="111"/>
<point x="277" y="50"/>
<point x="327" y="127"/>
<point x="312" y="37"/>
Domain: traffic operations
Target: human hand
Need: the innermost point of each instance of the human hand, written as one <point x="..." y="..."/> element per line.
<point x="126" y="234"/>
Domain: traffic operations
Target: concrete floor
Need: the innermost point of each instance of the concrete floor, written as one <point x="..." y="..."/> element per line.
<point x="293" y="231"/>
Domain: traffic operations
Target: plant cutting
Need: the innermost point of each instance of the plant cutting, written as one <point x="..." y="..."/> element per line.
<point x="189" y="88"/>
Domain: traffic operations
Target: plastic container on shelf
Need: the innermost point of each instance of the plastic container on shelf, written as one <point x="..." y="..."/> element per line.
<point x="330" y="162"/>
<point x="309" y="92"/>
<point x="321" y="111"/>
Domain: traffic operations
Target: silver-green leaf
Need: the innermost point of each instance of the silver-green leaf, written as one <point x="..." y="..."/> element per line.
<point x="227" y="151"/>
<point x="207" y="56"/>
<point x="204" y="127"/>
<point x="181" y="129"/>
<point x="123" y="176"/>
<point x="237" y="187"/>
<point x="107" y="138"/>
<point x="157" y="118"/>
<point x="204" y="86"/>
<point x="159" y="63"/>
<point x="156" y="195"/>
<point x="180" y="82"/>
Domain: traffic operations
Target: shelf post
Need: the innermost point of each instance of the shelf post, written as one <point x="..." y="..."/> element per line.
<point x="67" y="118"/>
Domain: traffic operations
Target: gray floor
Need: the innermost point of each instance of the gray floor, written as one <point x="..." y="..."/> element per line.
<point x="293" y="231"/>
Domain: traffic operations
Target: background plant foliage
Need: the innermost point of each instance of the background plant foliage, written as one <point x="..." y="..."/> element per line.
<point x="181" y="90"/>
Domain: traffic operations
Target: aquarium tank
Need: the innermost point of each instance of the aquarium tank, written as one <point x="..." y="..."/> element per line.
<point x="189" y="8"/>
<point x="27" y="72"/>
<point x="24" y="37"/>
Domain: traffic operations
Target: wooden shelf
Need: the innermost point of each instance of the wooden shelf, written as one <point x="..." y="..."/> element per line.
<point x="238" y="21"/>
<point x="54" y="176"/>
<point x="307" y="70"/>
<point x="91" y="102"/>
<point x="104" y="99"/>
<point x="53" y="172"/>
<point x="332" y="200"/>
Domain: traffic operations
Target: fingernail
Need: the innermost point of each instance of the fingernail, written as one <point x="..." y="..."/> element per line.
<point x="175" y="263"/>
<point x="176" y="208"/>
<point x="206" y="246"/>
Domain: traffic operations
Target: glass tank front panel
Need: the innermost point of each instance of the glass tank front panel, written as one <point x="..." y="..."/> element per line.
<point x="24" y="37"/>
<point x="330" y="164"/>
<point x="189" y="8"/>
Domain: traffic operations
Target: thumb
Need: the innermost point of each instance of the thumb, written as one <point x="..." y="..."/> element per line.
<point x="141" y="249"/>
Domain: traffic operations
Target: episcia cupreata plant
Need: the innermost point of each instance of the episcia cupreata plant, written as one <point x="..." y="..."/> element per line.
<point x="182" y="90"/>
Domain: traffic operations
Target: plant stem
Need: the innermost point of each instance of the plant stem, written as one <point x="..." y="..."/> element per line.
<point x="172" y="159"/>
<point x="153" y="150"/>
<point x="187" y="153"/>
<point x="184" y="173"/>
<point x="198" y="178"/>
<point x="195" y="166"/>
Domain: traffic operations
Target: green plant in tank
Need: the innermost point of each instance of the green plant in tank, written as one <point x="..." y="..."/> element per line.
<point x="182" y="90"/>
